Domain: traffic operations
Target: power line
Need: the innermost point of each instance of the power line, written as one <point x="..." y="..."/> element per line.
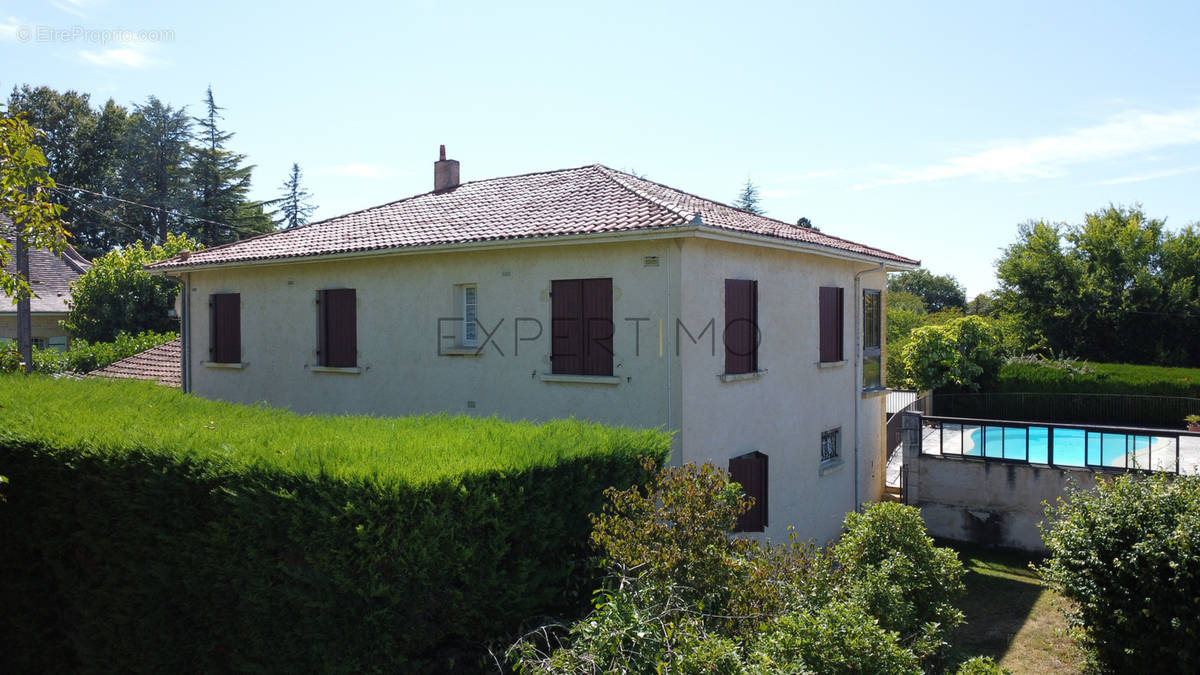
<point x="133" y="228"/>
<point x="172" y="212"/>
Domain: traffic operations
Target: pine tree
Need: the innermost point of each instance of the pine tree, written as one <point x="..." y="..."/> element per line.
<point x="748" y="199"/>
<point x="295" y="203"/>
<point x="221" y="184"/>
<point x="155" y="170"/>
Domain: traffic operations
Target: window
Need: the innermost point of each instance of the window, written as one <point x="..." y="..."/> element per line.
<point x="38" y="342"/>
<point x="337" y="328"/>
<point x="872" y="340"/>
<point x="581" y="327"/>
<point x="59" y="343"/>
<point x="225" y="328"/>
<point x="468" y="296"/>
<point x="741" y="326"/>
<point x="750" y="471"/>
<point x="831" y="445"/>
<point x="831" y="320"/>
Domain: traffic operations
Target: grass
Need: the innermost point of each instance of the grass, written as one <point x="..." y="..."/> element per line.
<point x="111" y="416"/>
<point x="1011" y="616"/>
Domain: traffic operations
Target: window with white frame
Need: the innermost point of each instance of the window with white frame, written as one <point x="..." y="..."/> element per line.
<point x="468" y="298"/>
<point x="831" y="445"/>
<point x="872" y="339"/>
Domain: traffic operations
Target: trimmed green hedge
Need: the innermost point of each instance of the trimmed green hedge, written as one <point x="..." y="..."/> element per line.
<point x="147" y="530"/>
<point x="1058" y="377"/>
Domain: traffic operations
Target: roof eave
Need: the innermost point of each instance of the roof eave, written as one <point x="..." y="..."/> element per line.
<point x="695" y="227"/>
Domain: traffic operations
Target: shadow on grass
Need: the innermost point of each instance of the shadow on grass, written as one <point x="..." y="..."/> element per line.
<point x="1001" y="595"/>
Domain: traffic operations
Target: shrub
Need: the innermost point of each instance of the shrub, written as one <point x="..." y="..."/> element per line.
<point x="965" y="353"/>
<point x="684" y="596"/>
<point x="150" y="531"/>
<point x="981" y="665"/>
<point x="892" y="567"/>
<point x="1127" y="554"/>
<point x="117" y="295"/>
<point x="83" y="357"/>
<point x="1067" y="376"/>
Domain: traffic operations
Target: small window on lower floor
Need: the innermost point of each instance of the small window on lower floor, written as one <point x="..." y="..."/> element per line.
<point x="59" y="343"/>
<point x="468" y="306"/>
<point x="39" y="342"/>
<point x="750" y="471"/>
<point x="831" y="445"/>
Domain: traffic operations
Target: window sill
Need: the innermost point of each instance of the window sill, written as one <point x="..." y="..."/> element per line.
<point x="832" y="364"/>
<point x="874" y="392"/>
<point x="226" y="366"/>
<point x="831" y="466"/>
<point x="580" y="379"/>
<point x="738" y="377"/>
<point x="461" y="351"/>
<point x="352" y="370"/>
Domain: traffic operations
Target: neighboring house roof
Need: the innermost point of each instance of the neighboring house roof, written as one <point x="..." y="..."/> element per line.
<point x="50" y="276"/>
<point x="585" y="200"/>
<point x="160" y="364"/>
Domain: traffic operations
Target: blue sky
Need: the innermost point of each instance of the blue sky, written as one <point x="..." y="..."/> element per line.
<point x="931" y="130"/>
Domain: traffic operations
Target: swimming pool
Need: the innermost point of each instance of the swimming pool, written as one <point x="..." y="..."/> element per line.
<point x="1070" y="446"/>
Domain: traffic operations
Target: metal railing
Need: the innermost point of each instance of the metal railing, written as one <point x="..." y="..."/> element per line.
<point x="1075" y="446"/>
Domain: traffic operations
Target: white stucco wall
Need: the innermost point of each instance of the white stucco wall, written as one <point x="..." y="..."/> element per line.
<point x="663" y="382"/>
<point x="44" y="326"/>
<point x="400" y="299"/>
<point x="784" y="412"/>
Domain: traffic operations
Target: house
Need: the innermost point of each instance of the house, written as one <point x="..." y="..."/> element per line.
<point x="50" y="278"/>
<point x="159" y="364"/>
<point x="583" y="292"/>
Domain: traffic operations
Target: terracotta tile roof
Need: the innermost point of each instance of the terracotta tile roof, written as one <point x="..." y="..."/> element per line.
<point x="580" y="201"/>
<point x="51" y="276"/>
<point x="159" y="364"/>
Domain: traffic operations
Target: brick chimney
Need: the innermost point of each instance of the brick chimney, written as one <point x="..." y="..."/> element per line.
<point x="445" y="172"/>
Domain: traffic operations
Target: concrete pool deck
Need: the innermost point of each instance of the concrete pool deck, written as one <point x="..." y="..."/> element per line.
<point x="1162" y="452"/>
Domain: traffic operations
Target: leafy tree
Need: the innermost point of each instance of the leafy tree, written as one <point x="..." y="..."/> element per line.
<point x="26" y="207"/>
<point x="82" y="150"/>
<point x="221" y="183"/>
<point x="295" y="204"/>
<point x="938" y="292"/>
<point x="748" y="199"/>
<point x="966" y="353"/>
<point x="1118" y="287"/>
<point x="118" y="296"/>
<point x="1127" y="556"/>
<point x="807" y="224"/>
<point x="156" y="172"/>
<point x="982" y="305"/>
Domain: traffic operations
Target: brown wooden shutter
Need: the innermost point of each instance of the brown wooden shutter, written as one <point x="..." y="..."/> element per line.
<point x="597" y="327"/>
<point x="566" y="326"/>
<point x="750" y="470"/>
<point x="337" y="343"/>
<point x="741" y="326"/>
<point x="225" y="322"/>
<point x="832" y="323"/>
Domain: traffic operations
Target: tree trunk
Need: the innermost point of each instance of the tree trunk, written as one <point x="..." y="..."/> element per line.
<point x="24" y="317"/>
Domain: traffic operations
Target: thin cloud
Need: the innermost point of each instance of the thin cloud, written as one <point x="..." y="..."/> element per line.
<point x="8" y="29"/>
<point x="358" y="170"/>
<point x="1151" y="176"/>
<point x="1051" y="156"/>
<point x="72" y="7"/>
<point x="119" y="57"/>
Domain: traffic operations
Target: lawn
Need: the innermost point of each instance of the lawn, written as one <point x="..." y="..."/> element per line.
<point x="1011" y="617"/>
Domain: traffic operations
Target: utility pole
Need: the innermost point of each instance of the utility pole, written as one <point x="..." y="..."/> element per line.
<point x="24" y="317"/>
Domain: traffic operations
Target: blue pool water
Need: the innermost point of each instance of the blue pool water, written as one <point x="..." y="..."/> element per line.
<point x="1070" y="445"/>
